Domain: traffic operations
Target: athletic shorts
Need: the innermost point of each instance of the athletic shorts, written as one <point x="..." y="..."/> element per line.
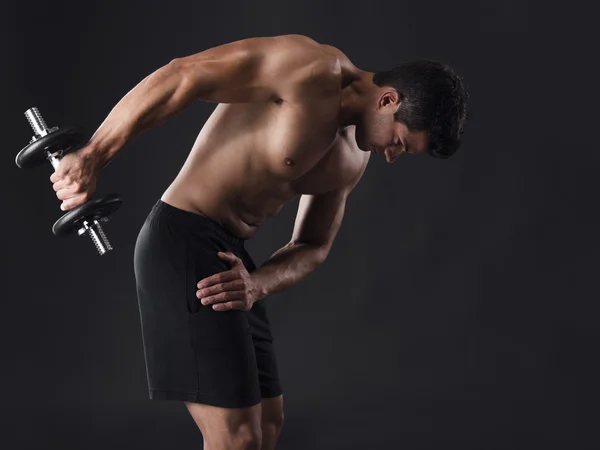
<point x="192" y="352"/>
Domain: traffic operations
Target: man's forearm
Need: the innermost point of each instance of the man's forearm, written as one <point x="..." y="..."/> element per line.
<point x="286" y="267"/>
<point x="158" y="97"/>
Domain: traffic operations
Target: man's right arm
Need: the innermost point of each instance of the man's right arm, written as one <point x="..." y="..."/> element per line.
<point x="251" y="70"/>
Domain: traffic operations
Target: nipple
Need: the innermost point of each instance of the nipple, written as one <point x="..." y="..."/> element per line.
<point x="289" y="161"/>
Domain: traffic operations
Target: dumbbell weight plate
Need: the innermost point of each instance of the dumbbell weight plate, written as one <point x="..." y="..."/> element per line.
<point x="90" y="211"/>
<point x="65" y="138"/>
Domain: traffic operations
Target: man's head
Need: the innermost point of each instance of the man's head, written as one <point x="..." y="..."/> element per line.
<point x="420" y="104"/>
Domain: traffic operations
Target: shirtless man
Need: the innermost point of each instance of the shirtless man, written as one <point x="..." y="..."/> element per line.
<point x="293" y="118"/>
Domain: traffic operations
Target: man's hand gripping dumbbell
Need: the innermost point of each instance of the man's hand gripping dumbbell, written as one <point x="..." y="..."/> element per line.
<point x="74" y="179"/>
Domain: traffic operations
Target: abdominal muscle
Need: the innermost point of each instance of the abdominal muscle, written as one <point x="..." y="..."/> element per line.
<point x="227" y="190"/>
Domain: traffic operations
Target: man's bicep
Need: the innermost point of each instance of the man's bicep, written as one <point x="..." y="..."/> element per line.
<point x="319" y="218"/>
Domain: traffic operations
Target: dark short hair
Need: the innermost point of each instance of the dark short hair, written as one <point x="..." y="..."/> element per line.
<point x="434" y="99"/>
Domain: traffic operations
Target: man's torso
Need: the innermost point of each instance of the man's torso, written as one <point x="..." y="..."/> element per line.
<point x="251" y="158"/>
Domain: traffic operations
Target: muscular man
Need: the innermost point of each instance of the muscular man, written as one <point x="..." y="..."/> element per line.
<point x="293" y="118"/>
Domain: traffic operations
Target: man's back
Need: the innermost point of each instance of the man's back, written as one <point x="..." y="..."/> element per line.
<point x="258" y="151"/>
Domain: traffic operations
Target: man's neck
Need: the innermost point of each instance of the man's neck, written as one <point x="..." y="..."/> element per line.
<point x="354" y="99"/>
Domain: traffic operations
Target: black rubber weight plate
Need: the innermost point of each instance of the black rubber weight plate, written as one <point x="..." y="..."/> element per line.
<point x="94" y="209"/>
<point x="66" y="139"/>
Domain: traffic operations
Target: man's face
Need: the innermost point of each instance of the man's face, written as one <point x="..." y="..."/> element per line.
<point x="378" y="133"/>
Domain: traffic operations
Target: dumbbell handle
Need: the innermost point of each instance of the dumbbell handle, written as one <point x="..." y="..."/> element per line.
<point x="40" y="129"/>
<point x="94" y="230"/>
<point x="54" y="160"/>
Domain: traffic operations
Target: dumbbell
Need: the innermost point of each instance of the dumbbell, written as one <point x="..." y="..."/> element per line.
<point x="52" y="144"/>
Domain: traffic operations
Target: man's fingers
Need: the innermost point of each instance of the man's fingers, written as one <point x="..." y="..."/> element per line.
<point x="234" y="285"/>
<point x="228" y="306"/>
<point x="59" y="176"/>
<point x="73" y="201"/>
<point x="220" y="277"/>
<point x="58" y="185"/>
<point x="64" y="194"/>
<point x="229" y="257"/>
<point x="223" y="297"/>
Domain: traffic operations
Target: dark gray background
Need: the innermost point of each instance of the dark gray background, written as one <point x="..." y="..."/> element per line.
<point x="458" y="307"/>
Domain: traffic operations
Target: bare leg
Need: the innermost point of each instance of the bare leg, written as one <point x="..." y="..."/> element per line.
<point x="228" y="428"/>
<point x="271" y="421"/>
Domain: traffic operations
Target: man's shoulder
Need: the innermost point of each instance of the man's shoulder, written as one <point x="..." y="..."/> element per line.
<point x="302" y="51"/>
<point x="311" y="66"/>
<point x="339" y="55"/>
<point x="334" y="58"/>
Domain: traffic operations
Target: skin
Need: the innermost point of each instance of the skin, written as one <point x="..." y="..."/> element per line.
<point x="293" y="118"/>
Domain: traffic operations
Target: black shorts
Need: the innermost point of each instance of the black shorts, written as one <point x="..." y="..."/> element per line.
<point x="192" y="352"/>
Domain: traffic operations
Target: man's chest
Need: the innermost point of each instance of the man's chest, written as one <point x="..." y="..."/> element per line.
<point x="299" y="146"/>
<point x="340" y="164"/>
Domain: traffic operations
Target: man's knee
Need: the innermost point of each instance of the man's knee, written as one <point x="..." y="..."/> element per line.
<point x="274" y="421"/>
<point x="272" y="413"/>
<point x="271" y="421"/>
<point x="228" y="428"/>
<point x="247" y="437"/>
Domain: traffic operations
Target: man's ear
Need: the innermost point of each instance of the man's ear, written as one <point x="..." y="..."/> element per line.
<point x="390" y="99"/>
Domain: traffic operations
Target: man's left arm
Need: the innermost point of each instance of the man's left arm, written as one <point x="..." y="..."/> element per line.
<point x="317" y="223"/>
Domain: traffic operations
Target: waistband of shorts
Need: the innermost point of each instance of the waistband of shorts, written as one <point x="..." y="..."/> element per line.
<point x="196" y="221"/>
